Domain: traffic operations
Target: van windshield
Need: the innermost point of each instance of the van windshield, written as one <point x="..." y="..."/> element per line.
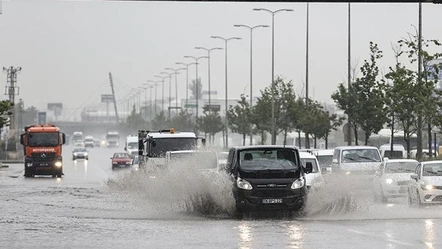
<point x="360" y="155"/>
<point x="267" y="158"/>
<point x="401" y="167"/>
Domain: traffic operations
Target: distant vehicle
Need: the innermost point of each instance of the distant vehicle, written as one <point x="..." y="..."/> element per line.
<point x="392" y="178"/>
<point x="80" y="153"/>
<point x="97" y="143"/>
<point x="121" y="160"/>
<point x="79" y="143"/>
<point x="157" y="143"/>
<point x="112" y="139"/>
<point x="42" y="146"/>
<point x="77" y="136"/>
<point x="131" y="145"/>
<point x="363" y="160"/>
<point x="314" y="179"/>
<point x="200" y="160"/>
<point x="89" y="142"/>
<point x="397" y="153"/>
<point x="427" y="185"/>
<point x="267" y="177"/>
<point x="325" y="159"/>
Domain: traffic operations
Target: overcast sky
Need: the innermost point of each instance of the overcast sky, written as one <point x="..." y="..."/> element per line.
<point x="67" y="48"/>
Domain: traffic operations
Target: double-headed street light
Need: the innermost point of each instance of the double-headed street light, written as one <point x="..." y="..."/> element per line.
<point x="208" y="71"/>
<point x="149" y="86"/>
<point x="170" y="90"/>
<point x="273" y="13"/>
<point x="156" y="83"/>
<point x="197" y="97"/>
<point x="187" y="78"/>
<point x="226" y="85"/>
<point x="175" y="70"/>
<point x="251" y="28"/>
<point x="162" y="91"/>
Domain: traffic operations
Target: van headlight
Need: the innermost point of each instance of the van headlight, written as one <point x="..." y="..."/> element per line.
<point x="243" y="184"/>
<point x="58" y="164"/>
<point x="299" y="183"/>
<point x="389" y="181"/>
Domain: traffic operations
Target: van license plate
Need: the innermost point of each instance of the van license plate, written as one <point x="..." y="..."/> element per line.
<point x="271" y="201"/>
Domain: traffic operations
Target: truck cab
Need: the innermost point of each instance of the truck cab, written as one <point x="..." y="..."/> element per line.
<point x="112" y="139"/>
<point x="131" y="145"/>
<point x="153" y="145"/>
<point x="42" y="146"/>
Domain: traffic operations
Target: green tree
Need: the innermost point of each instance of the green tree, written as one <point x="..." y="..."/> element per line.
<point x="331" y="123"/>
<point x="314" y="121"/>
<point x="365" y="102"/>
<point x="211" y="123"/>
<point x="160" y="122"/>
<point x="427" y="80"/>
<point x="403" y="94"/>
<point x="5" y="112"/>
<point x="183" y="121"/>
<point x="284" y="97"/>
<point x="371" y="95"/>
<point x="193" y="87"/>
<point x="239" y="117"/>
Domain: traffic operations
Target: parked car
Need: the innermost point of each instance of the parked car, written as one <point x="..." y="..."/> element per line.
<point x="427" y="185"/>
<point x="392" y="178"/>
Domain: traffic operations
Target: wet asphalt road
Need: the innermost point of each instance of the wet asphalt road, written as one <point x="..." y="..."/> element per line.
<point x="82" y="211"/>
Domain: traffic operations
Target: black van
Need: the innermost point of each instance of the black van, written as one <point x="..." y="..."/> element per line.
<point x="267" y="177"/>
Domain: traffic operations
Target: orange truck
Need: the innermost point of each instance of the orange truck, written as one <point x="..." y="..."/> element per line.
<point x="42" y="146"/>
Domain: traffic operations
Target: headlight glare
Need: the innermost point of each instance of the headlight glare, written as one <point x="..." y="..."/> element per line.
<point x="389" y="181"/>
<point x="58" y="164"/>
<point x="243" y="184"/>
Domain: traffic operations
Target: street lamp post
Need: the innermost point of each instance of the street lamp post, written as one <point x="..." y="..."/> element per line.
<point x="251" y="28"/>
<point x="155" y="84"/>
<point x="170" y="90"/>
<point x="197" y="97"/>
<point x="273" y="13"/>
<point x="176" y="85"/>
<point x="187" y="78"/>
<point x="162" y="91"/>
<point x="208" y="71"/>
<point x="226" y="122"/>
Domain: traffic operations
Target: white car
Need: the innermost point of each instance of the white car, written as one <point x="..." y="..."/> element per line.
<point x="392" y="178"/>
<point x="313" y="179"/>
<point x="325" y="159"/>
<point x="427" y="185"/>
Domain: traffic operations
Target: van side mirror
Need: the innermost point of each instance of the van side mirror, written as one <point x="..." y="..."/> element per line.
<point x="308" y="167"/>
<point x="414" y="176"/>
<point x="125" y="148"/>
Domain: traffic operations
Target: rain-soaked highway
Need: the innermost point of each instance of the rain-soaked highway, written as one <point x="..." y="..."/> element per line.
<point x="83" y="210"/>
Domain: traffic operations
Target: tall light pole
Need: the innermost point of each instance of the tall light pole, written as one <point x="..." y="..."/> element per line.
<point x="148" y="86"/>
<point x="349" y="70"/>
<point x="273" y="13"/>
<point x="155" y="84"/>
<point x="307" y="140"/>
<point x="251" y="28"/>
<point x="187" y="78"/>
<point x="208" y="71"/>
<point x="197" y="97"/>
<point x="162" y="91"/>
<point x="226" y="122"/>
<point x="145" y="87"/>
<point x="175" y="70"/>
<point x="170" y="90"/>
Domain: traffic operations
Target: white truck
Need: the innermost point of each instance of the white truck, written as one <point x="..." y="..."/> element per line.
<point x="153" y="145"/>
<point x="78" y="139"/>
<point x="131" y="145"/>
<point x="112" y="139"/>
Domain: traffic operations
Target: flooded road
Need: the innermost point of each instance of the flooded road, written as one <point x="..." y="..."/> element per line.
<point x="81" y="210"/>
